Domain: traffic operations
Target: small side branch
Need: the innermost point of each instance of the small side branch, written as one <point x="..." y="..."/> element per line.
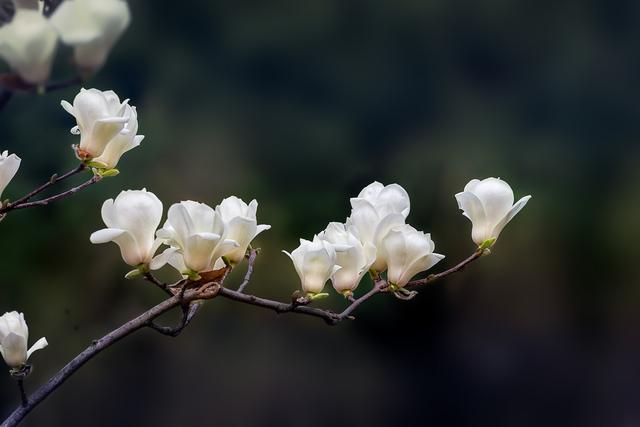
<point x="149" y="277"/>
<point x="53" y="198"/>
<point x="458" y="267"/>
<point x="23" y="394"/>
<point x="247" y="277"/>
<point x="188" y="314"/>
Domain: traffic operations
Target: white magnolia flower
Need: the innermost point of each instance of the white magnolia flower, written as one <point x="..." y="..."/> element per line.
<point x="489" y="206"/>
<point x="92" y="27"/>
<point x="101" y="117"/>
<point x="375" y="211"/>
<point x="28" y="44"/>
<point x="14" y="335"/>
<point x="240" y="225"/>
<point x="132" y="219"/>
<point x="407" y="252"/>
<point x="122" y="142"/>
<point x="386" y="199"/>
<point x="315" y="263"/>
<point x="353" y="258"/>
<point x="196" y="234"/>
<point x="9" y="165"/>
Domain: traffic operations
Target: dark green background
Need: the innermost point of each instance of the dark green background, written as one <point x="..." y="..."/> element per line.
<point x="300" y="104"/>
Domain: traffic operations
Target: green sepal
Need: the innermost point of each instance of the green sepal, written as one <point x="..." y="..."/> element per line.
<point x="105" y="173"/>
<point x="95" y="164"/>
<point x="487" y="243"/>
<point x="133" y="274"/>
<point x="320" y="295"/>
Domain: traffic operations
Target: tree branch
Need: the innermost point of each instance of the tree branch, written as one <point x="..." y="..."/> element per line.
<point x="247" y="277"/>
<point x="188" y="297"/>
<point x="13" y="84"/>
<point x="205" y="292"/>
<point x="458" y="267"/>
<point x="53" y="180"/>
<point x="44" y="202"/>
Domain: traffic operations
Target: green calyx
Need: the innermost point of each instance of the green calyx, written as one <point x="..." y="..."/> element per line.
<point x="487" y="243"/>
<point x="139" y="271"/>
<point x="316" y="296"/>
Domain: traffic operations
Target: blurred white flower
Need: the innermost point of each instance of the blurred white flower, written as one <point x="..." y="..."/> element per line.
<point x="28" y="44"/>
<point x="315" y="263"/>
<point x="196" y="235"/>
<point x="489" y="206"/>
<point x="407" y="252"/>
<point x="122" y="142"/>
<point x="352" y="256"/>
<point x="14" y="335"/>
<point x="9" y="165"/>
<point x="100" y="117"/>
<point x="132" y="219"/>
<point x="92" y="27"/>
<point x="240" y="225"/>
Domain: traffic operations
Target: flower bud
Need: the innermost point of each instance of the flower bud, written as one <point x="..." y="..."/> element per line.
<point x="315" y="263"/>
<point x="240" y="225"/>
<point x="489" y="205"/>
<point x="132" y="219"/>
<point x="14" y="335"/>
<point x="407" y="252"/>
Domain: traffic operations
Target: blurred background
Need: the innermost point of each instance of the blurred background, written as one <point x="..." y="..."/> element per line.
<point x="300" y="105"/>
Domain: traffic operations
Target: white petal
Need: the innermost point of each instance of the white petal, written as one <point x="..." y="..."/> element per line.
<point x="39" y="345"/>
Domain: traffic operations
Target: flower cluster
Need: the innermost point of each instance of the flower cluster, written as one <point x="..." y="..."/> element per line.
<point x="28" y="43"/>
<point x="14" y="335"/>
<point x="199" y="238"/>
<point x="374" y="238"/>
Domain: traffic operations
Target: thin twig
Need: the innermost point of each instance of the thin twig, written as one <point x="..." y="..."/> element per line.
<point x="149" y="277"/>
<point x="53" y="198"/>
<point x="458" y="267"/>
<point x="53" y="180"/>
<point x="188" y="314"/>
<point x="247" y="277"/>
<point x="7" y="93"/>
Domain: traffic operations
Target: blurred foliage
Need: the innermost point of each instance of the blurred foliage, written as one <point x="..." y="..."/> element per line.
<point x="301" y="104"/>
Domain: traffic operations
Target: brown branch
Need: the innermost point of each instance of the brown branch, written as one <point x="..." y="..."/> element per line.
<point x="247" y="277"/>
<point x="458" y="267"/>
<point x="44" y="202"/>
<point x="53" y="180"/>
<point x="187" y="297"/>
<point x="205" y="292"/>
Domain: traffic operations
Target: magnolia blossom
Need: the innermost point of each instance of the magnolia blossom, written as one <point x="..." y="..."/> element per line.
<point x="315" y="263"/>
<point x="353" y="258"/>
<point x="390" y="199"/>
<point x="375" y="211"/>
<point x="14" y="335"/>
<point x="489" y="205"/>
<point x="9" y="165"/>
<point x="196" y="234"/>
<point x="28" y="44"/>
<point x="92" y="27"/>
<point x="240" y="225"/>
<point x="132" y="219"/>
<point x="101" y="119"/>
<point x="122" y="142"/>
<point x="407" y="252"/>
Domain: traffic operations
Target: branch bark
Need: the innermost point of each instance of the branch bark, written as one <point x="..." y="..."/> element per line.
<point x="103" y="343"/>
<point x="24" y="204"/>
<point x="189" y="300"/>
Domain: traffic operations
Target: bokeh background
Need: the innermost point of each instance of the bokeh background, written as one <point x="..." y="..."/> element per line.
<point x="301" y="104"/>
